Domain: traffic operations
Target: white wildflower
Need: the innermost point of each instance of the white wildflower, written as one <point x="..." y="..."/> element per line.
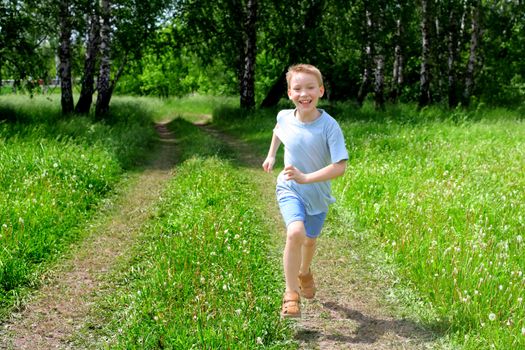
<point x="492" y="316"/>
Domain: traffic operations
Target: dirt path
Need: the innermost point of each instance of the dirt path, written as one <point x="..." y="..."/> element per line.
<point x="61" y="306"/>
<point x="349" y="310"/>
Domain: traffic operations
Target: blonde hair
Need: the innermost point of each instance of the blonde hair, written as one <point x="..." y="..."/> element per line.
<point x="304" y="68"/>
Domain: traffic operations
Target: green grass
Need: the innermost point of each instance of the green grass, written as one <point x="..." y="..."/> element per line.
<point x="442" y="193"/>
<point x="192" y="107"/>
<point x="54" y="172"/>
<point x="200" y="277"/>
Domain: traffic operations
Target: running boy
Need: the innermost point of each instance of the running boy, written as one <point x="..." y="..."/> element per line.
<point x="314" y="153"/>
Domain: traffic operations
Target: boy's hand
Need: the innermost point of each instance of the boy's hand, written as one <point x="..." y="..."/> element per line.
<point x="292" y="173"/>
<point x="268" y="164"/>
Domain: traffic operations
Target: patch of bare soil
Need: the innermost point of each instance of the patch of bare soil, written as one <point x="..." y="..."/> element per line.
<point x="349" y="310"/>
<point x="61" y="306"/>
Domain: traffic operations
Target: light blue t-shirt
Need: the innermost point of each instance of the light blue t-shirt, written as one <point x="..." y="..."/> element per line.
<point x="309" y="147"/>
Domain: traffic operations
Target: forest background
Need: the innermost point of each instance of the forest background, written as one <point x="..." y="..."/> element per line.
<point x="452" y="52"/>
<point x="435" y="175"/>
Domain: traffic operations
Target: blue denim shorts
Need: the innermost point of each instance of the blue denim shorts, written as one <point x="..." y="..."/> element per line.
<point x="292" y="209"/>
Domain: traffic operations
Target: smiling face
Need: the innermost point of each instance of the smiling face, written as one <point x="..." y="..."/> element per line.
<point x="304" y="91"/>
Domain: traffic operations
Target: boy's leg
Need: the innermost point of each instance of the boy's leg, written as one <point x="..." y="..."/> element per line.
<point x="292" y="258"/>
<point x="308" y="251"/>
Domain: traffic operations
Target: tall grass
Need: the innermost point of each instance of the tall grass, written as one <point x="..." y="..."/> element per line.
<point x="443" y="193"/>
<point x="54" y="172"/>
<point x="201" y="277"/>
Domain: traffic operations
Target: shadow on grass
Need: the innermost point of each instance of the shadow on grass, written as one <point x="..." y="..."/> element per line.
<point x="370" y="330"/>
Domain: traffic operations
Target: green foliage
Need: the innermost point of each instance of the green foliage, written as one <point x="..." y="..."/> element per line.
<point x="177" y="73"/>
<point x="201" y="276"/>
<point x="53" y="173"/>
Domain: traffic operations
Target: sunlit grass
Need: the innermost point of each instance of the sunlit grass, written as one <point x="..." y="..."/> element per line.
<point x="442" y="192"/>
<point x="54" y="172"/>
<point x="201" y="276"/>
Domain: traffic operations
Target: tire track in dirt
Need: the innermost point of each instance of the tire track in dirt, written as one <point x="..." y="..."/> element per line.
<point x="61" y="306"/>
<point x="348" y="311"/>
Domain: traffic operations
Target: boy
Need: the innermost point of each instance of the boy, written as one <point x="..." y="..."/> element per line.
<point x="314" y="153"/>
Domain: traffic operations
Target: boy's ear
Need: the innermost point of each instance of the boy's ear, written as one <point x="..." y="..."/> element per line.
<point x="289" y="92"/>
<point x="321" y="89"/>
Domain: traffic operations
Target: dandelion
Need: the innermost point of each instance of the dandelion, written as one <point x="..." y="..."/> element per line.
<point x="55" y="165"/>
<point x="492" y="316"/>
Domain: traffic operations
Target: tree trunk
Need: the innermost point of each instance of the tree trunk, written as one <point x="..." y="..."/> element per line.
<point x="364" y="89"/>
<point x="452" y="46"/>
<point x="250" y="51"/>
<point x="397" y="74"/>
<point x="103" y="84"/>
<point x="379" y="60"/>
<point x="64" y="53"/>
<point x="474" y="43"/>
<point x="88" y="80"/>
<point x="277" y="91"/>
<point x="424" y="96"/>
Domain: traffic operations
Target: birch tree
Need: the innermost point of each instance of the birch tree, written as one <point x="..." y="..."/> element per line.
<point x="368" y="54"/>
<point x="92" y="49"/>
<point x="64" y="53"/>
<point x="473" y="52"/>
<point x="250" y="52"/>
<point x="424" y="95"/>
<point x="104" y="76"/>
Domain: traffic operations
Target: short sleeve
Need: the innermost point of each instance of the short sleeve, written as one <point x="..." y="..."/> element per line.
<point x="336" y="143"/>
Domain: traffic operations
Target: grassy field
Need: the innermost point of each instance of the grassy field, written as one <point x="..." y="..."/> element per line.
<point x="443" y="193"/>
<point x="201" y="276"/>
<point x="54" y="173"/>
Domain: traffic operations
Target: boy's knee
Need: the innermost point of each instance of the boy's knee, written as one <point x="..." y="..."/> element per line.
<point x="309" y="242"/>
<point x="296" y="232"/>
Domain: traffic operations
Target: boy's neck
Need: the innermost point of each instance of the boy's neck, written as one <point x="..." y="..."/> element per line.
<point x="307" y="117"/>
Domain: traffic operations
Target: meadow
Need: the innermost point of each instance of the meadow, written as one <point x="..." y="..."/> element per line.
<point x="442" y="192"/>
<point x="201" y="275"/>
<point x="54" y="174"/>
<point x="439" y="191"/>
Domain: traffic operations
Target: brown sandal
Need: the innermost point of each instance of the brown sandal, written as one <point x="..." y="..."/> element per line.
<point x="291" y="305"/>
<point x="307" y="285"/>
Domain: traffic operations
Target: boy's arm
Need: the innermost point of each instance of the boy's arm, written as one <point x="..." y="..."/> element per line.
<point x="327" y="173"/>
<point x="269" y="162"/>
